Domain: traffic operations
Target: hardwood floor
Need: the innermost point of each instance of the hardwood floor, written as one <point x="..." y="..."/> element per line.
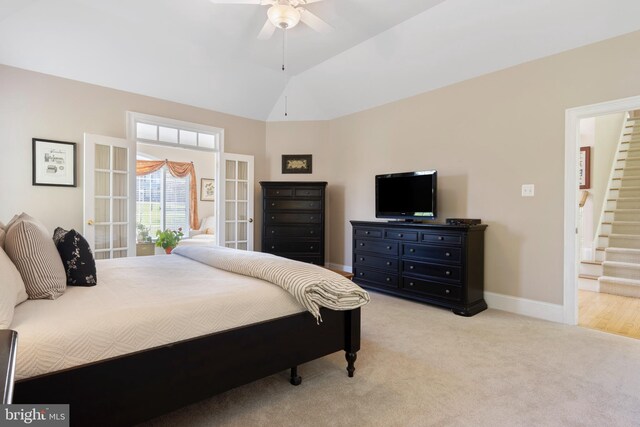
<point x="609" y="313"/>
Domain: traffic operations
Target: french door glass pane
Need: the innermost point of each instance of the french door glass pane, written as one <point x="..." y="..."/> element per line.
<point x="102" y="210"/>
<point x="242" y="231"/>
<point x="120" y="185"/>
<point x="242" y="211"/>
<point x="120" y="159"/>
<point x="231" y="169"/>
<point x="102" y="255"/>
<point x="103" y="157"/>
<point x="230" y="190"/>
<point x="103" y="187"/>
<point x="243" y="170"/>
<point x="230" y="231"/>
<point x="102" y="236"/>
<point x="242" y="245"/>
<point x="243" y="191"/>
<point x="120" y="210"/>
<point x="119" y="236"/>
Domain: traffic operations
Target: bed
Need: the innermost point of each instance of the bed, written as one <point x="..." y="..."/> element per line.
<point x="171" y="330"/>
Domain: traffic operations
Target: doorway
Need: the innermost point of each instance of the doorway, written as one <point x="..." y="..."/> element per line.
<point x="587" y="306"/>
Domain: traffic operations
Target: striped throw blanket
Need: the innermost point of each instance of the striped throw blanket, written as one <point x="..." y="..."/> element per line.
<point x="311" y="285"/>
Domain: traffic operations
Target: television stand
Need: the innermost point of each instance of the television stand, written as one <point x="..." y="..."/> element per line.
<point x="433" y="263"/>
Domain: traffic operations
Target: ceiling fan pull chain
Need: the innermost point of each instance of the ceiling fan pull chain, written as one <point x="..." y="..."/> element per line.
<point x="284" y="37"/>
<point x="285" y="107"/>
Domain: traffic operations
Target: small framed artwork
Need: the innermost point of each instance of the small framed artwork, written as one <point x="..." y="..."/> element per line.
<point x="296" y="163"/>
<point x="584" y="168"/>
<point x="54" y="163"/>
<point x="207" y="190"/>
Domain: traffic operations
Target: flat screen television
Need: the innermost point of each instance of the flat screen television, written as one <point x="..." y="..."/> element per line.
<point x="409" y="195"/>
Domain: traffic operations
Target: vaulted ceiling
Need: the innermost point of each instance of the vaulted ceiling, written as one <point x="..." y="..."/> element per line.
<point x="207" y="55"/>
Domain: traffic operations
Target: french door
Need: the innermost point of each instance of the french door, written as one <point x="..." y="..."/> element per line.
<point x="237" y="193"/>
<point x="109" y="202"/>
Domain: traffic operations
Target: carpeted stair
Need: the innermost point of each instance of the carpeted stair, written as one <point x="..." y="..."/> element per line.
<point x="621" y="245"/>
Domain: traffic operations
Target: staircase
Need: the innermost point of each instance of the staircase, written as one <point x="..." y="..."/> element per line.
<point x="618" y="246"/>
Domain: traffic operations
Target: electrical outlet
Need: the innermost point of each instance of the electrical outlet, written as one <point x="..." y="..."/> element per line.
<point x="527" y="190"/>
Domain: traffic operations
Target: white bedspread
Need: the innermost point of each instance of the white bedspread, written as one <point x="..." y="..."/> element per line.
<point x="140" y="303"/>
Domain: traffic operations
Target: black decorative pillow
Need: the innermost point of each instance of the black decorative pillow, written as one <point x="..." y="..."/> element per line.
<point x="77" y="257"/>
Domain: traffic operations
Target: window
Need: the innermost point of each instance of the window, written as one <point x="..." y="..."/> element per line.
<point x="149" y="132"/>
<point x="162" y="201"/>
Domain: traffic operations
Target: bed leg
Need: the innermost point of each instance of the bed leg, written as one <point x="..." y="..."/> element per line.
<point x="295" y="378"/>
<point x="351" y="359"/>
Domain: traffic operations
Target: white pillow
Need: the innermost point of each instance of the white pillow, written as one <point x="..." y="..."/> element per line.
<point x="12" y="291"/>
<point x="208" y="222"/>
<point x="31" y="248"/>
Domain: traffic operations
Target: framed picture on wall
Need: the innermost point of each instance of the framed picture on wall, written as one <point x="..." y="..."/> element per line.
<point x="296" y="163"/>
<point x="207" y="189"/>
<point x="54" y="163"/>
<point x="584" y="168"/>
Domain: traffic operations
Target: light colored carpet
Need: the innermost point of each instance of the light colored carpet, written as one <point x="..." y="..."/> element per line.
<point x="424" y="366"/>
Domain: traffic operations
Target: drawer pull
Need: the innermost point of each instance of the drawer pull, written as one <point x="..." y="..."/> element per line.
<point x="310" y="248"/>
<point x="361" y="259"/>
<point x="448" y="273"/>
<point x="400" y="235"/>
<point x="410" y="283"/>
<point x="277" y="192"/>
<point x="273" y="204"/>
<point x="362" y="274"/>
<point x="447" y="254"/>
<point x="311" y="232"/>
<point x="411" y="267"/>
<point x="310" y="205"/>
<point x="273" y="231"/>
<point x="273" y="217"/>
<point x="311" y="218"/>
<point x="440" y="238"/>
<point x="273" y="247"/>
<point x="388" y="262"/>
<point x="388" y="279"/>
<point x="361" y="244"/>
<point x="389" y="247"/>
<point x="366" y="232"/>
<point x="412" y="250"/>
<point x="447" y="291"/>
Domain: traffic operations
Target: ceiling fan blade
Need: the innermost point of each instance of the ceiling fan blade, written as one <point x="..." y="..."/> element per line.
<point x="267" y="31"/>
<point x="309" y="1"/>
<point x="314" y="22"/>
<point x="238" y="2"/>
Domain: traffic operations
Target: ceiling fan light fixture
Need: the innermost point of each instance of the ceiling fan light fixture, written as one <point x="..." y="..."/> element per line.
<point x="283" y="16"/>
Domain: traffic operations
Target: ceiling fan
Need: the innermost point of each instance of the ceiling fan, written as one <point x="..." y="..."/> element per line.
<point x="284" y="14"/>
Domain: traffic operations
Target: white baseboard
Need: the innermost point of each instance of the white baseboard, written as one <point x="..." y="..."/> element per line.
<point x="525" y="307"/>
<point x="588" y="285"/>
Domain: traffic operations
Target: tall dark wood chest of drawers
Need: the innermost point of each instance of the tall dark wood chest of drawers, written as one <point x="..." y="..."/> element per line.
<point x="433" y="263"/>
<point x="293" y="220"/>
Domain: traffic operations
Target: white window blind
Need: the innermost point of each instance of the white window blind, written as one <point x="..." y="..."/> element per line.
<point x="162" y="201"/>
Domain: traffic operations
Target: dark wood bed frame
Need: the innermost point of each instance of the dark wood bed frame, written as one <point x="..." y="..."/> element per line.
<point x="136" y="387"/>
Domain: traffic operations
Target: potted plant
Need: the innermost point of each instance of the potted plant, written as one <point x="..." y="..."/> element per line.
<point x="168" y="239"/>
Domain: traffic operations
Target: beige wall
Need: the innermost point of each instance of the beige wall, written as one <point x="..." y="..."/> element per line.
<point x="203" y="162"/>
<point x="38" y="105"/>
<point x="486" y="137"/>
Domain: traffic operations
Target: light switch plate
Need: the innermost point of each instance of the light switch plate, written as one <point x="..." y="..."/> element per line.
<point x="528" y="190"/>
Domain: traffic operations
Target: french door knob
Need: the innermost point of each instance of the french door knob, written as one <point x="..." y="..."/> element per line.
<point x="90" y="222"/>
<point x="251" y="219"/>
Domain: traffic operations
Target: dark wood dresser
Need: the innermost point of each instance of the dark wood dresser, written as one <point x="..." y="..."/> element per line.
<point x="293" y="220"/>
<point x="433" y="263"/>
